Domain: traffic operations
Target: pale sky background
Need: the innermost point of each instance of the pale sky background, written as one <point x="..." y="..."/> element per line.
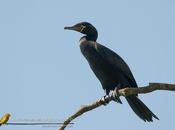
<point x="44" y="76"/>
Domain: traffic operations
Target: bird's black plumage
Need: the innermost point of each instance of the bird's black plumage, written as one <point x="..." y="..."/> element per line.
<point x="109" y="68"/>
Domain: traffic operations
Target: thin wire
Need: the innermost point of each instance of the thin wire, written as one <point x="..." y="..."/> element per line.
<point x="37" y="123"/>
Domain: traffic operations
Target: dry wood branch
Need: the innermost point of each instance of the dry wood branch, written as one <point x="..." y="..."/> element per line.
<point x="122" y="92"/>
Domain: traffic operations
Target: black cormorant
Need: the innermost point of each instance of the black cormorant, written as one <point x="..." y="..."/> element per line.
<point x="109" y="68"/>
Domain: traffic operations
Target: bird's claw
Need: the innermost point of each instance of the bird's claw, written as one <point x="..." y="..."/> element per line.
<point x="104" y="100"/>
<point x="115" y="96"/>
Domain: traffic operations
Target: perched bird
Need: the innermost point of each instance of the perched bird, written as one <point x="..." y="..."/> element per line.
<point x="4" y="118"/>
<point x="109" y="68"/>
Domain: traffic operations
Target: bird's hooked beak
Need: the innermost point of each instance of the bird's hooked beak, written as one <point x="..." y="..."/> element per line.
<point x="78" y="28"/>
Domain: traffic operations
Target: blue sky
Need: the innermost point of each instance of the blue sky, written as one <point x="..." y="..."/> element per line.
<point x="44" y="76"/>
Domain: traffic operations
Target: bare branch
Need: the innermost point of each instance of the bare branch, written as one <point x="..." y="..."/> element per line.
<point x="122" y="92"/>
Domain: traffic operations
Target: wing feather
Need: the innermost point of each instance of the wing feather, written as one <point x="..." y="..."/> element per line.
<point x="117" y="62"/>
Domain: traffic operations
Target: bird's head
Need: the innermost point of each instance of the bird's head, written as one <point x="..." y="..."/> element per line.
<point x="7" y="115"/>
<point x="85" y="28"/>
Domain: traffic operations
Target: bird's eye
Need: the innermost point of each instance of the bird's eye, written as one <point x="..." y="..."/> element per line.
<point x="82" y="28"/>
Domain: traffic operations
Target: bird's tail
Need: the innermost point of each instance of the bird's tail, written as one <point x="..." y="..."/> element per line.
<point x="141" y="109"/>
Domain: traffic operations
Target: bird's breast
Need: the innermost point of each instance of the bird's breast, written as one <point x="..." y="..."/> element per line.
<point x="102" y="69"/>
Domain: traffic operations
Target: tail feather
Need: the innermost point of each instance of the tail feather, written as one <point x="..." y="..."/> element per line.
<point x="141" y="109"/>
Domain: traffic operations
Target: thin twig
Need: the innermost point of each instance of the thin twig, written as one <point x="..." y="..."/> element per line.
<point x="121" y="92"/>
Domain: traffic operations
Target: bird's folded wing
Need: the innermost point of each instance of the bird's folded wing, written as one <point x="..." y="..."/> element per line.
<point x="117" y="62"/>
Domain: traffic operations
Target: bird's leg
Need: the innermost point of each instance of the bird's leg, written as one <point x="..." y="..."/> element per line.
<point x="104" y="100"/>
<point x="115" y="96"/>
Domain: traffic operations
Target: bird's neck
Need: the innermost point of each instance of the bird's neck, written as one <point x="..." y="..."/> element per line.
<point x="82" y="39"/>
<point x="92" y="37"/>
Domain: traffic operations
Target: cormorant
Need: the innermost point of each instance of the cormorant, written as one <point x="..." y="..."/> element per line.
<point x="110" y="68"/>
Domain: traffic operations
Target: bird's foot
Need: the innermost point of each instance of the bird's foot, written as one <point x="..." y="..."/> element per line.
<point x="115" y="96"/>
<point x="104" y="100"/>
